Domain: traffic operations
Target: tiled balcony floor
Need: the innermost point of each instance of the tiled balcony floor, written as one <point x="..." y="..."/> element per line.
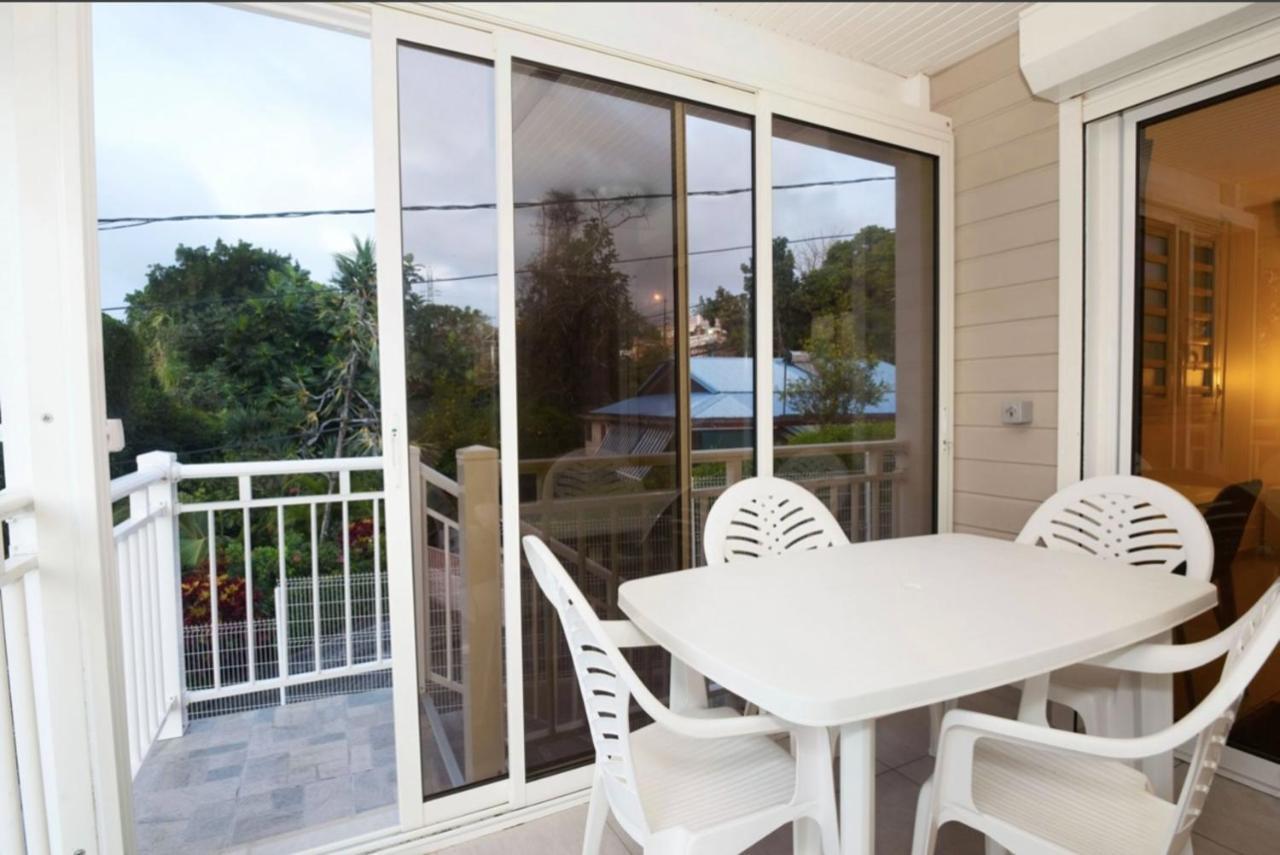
<point x="240" y="778"/>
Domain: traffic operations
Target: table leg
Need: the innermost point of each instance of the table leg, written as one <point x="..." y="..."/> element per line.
<point x="858" y="788"/>
<point x="1154" y="714"/>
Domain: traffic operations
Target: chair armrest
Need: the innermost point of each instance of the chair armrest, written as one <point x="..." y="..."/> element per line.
<point x="967" y="727"/>
<point x="1155" y="658"/>
<point x="624" y="634"/>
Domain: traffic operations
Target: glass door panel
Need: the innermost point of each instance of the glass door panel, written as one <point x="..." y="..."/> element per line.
<point x="449" y="246"/>
<point x="597" y="317"/>
<point x="854" y="349"/>
<point x="721" y="329"/>
<point x="1207" y="418"/>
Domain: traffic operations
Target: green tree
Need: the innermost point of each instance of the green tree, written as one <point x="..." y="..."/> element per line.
<point x="842" y="382"/>
<point x="732" y="312"/>
<point x="452" y="379"/>
<point x="233" y="332"/>
<point x="344" y="405"/>
<point x="857" y="277"/>
<point x="580" y="342"/>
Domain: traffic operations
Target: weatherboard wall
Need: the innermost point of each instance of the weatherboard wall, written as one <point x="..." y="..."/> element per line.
<point x="1006" y="249"/>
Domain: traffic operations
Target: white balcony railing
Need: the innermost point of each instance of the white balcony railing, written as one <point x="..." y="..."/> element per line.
<point x="24" y="823"/>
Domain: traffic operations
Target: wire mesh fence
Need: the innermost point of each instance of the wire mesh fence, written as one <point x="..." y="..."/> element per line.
<point x="351" y="632"/>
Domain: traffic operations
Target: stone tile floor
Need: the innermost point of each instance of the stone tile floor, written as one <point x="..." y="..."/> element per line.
<point x="251" y="781"/>
<point x="236" y="779"/>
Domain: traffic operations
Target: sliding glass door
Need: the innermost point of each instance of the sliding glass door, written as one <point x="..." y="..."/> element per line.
<point x="1182" y="344"/>
<point x="571" y="340"/>
<point x="853" y="345"/>
<point x="1206" y="407"/>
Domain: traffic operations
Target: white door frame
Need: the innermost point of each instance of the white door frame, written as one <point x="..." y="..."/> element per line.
<point x="1106" y="382"/>
<point x="500" y="46"/>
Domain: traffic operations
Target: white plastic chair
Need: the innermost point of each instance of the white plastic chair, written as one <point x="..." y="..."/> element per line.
<point x="1032" y="789"/>
<point x="707" y="783"/>
<point x="1135" y="520"/>
<point x="760" y="517"/>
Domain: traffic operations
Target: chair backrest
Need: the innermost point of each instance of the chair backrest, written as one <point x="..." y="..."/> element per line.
<point x="1135" y="520"/>
<point x="1227" y="517"/>
<point x="603" y="676"/>
<point x="760" y="517"/>
<point x="1258" y="633"/>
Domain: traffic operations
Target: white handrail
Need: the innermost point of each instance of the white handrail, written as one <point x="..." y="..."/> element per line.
<point x="135" y="481"/>
<point x="23" y="816"/>
<point x="256" y="468"/>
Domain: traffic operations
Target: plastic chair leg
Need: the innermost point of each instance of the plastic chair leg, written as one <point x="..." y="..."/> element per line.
<point x="597" y="813"/>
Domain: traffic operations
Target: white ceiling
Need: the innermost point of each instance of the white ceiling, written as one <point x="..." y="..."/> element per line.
<point x="903" y="38"/>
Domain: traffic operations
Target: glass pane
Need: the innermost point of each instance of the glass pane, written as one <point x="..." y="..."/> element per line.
<point x="1210" y="178"/>
<point x="596" y="318"/>
<point x="449" y="233"/>
<point x="854" y="343"/>
<point x="719" y="164"/>
<point x="1157" y="245"/>
<point x="1156" y="272"/>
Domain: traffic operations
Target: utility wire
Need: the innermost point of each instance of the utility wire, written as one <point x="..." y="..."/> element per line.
<point x="108" y="224"/>
<point x="470" y="276"/>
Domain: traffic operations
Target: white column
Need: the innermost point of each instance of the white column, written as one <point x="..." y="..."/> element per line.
<point x="164" y="494"/>
<point x="55" y="417"/>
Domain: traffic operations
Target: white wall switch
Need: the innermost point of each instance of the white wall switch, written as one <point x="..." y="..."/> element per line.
<point x="1015" y="413"/>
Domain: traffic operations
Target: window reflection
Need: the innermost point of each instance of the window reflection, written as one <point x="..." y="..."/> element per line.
<point x="1208" y="305"/>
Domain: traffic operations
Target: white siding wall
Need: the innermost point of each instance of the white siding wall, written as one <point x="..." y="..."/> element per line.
<point x="1006" y="287"/>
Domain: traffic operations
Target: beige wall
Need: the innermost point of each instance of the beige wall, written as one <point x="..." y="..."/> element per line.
<point x="1006" y="288"/>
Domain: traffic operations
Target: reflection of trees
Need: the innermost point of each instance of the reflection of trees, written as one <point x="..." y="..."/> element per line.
<point x="850" y="278"/>
<point x="580" y="341"/>
<point x="451" y="378"/>
<point x="842" y="382"/>
<point x="838" y="307"/>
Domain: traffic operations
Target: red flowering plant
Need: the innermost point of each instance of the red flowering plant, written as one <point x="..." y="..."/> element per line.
<point x="196" y="602"/>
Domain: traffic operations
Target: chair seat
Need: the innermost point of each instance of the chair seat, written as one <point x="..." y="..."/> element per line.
<point x="700" y="783"/>
<point x="1081" y="803"/>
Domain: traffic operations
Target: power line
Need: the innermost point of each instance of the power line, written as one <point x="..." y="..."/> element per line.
<point x="467" y="277"/>
<point x="108" y="224"/>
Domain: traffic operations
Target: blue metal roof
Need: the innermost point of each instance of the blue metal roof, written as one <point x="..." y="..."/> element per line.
<point x="728" y="381"/>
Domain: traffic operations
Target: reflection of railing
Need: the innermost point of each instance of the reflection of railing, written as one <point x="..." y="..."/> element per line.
<point x="24" y="711"/>
<point x="607" y="527"/>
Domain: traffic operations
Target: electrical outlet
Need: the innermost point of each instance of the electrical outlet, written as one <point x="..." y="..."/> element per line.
<point x="1015" y="413"/>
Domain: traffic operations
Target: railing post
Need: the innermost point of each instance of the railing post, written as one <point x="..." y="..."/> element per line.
<point x="872" y="458"/>
<point x="732" y="470"/>
<point x="481" y="618"/>
<point x="282" y="640"/>
<point x="163" y="494"/>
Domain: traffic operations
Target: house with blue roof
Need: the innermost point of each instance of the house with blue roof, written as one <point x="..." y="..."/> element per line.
<point x="721" y="407"/>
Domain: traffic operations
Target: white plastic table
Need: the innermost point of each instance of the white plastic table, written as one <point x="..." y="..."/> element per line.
<point x="842" y="636"/>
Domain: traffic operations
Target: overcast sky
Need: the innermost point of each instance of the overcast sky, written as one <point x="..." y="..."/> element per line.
<point x="205" y="109"/>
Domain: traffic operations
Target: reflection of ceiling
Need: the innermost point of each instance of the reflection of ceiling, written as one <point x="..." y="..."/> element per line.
<point x="1233" y="142"/>
<point x="904" y="38"/>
